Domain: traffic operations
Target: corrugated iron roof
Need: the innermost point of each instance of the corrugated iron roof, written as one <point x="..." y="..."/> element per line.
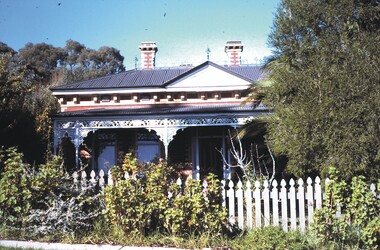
<point x="140" y="78"/>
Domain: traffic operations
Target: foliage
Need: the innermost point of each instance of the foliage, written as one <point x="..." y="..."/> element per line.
<point x="359" y="222"/>
<point x="44" y="201"/>
<point x="137" y="203"/>
<point x="71" y="209"/>
<point x="26" y="103"/>
<point x="15" y="189"/>
<point x="23" y="188"/>
<point x="141" y="204"/>
<point x="195" y="209"/>
<point x="85" y="63"/>
<point x="325" y="86"/>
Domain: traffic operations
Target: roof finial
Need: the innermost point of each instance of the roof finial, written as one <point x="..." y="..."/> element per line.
<point x="208" y="51"/>
<point x="136" y="60"/>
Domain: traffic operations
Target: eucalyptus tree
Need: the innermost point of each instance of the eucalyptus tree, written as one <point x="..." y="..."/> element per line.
<point x="83" y="63"/>
<point x="325" y="90"/>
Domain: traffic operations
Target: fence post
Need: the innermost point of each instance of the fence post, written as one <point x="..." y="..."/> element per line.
<point x="284" y="206"/>
<point x="248" y="197"/>
<point x="301" y="202"/>
<point x="239" y="196"/>
<point x="275" y="203"/>
<point x="266" y="203"/>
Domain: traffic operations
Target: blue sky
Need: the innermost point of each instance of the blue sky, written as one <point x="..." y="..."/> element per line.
<point x="182" y="29"/>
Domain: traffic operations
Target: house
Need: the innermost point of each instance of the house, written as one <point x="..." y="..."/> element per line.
<point x="182" y="114"/>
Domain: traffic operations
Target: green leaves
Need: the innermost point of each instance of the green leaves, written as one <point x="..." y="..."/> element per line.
<point x="22" y="188"/>
<point x="325" y="87"/>
<point x="359" y="222"/>
<point x="142" y="204"/>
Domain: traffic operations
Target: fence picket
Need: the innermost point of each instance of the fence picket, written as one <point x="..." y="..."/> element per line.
<point x="83" y="181"/>
<point x="92" y="179"/>
<point x="101" y="178"/>
<point x="284" y="206"/>
<point x="275" y="203"/>
<point x="318" y="193"/>
<point x="75" y="177"/>
<point x="248" y="196"/>
<point x="110" y="178"/>
<point x="239" y="196"/>
<point x="310" y="201"/>
<point x="223" y="188"/>
<point x="266" y="203"/>
<point x="301" y="205"/>
<point x="257" y="204"/>
<point x="292" y="198"/>
<point x="231" y="202"/>
<point x="372" y="187"/>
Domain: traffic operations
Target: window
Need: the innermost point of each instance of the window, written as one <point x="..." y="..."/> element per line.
<point x="148" y="147"/>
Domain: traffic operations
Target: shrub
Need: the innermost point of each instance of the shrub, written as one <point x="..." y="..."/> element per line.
<point x="71" y="209"/>
<point x="196" y="210"/>
<point x="359" y="223"/>
<point x="43" y="201"/>
<point x="15" y="189"/>
<point x="137" y="203"/>
<point x="147" y="202"/>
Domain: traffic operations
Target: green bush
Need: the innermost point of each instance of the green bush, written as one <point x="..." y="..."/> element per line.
<point x="15" y="189"/>
<point x="195" y="210"/>
<point x="147" y="203"/>
<point x="359" y="223"/>
<point x="43" y="201"/>
<point x="137" y="204"/>
<point x="23" y="188"/>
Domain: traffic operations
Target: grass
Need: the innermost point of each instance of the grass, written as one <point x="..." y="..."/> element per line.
<point x="259" y="238"/>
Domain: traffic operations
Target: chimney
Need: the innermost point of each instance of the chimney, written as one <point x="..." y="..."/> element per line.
<point x="233" y="50"/>
<point x="148" y="54"/>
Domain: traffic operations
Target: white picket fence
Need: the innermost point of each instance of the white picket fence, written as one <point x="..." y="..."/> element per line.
<point x="288" y="205"/>
<point x="264" y="205"/>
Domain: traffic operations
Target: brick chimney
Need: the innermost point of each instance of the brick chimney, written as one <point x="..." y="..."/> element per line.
<point x="148" y="54"/>
<point x="233" y="50"/>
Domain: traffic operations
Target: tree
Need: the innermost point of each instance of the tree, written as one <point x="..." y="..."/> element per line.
<point x="85" y="63"/>
<point x="43" y="59"/>
<point x="26" y="103"/>
<point x="325" y="88"/>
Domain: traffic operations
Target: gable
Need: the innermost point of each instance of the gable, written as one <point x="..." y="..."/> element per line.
<point x="209" y="78"/>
